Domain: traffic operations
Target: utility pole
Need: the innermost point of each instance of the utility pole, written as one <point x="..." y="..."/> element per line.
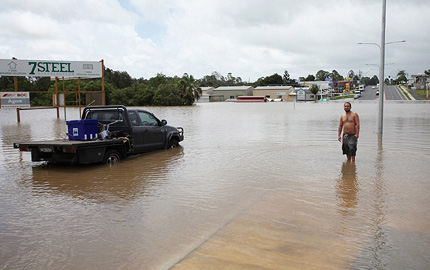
<point x="381" y="72"/>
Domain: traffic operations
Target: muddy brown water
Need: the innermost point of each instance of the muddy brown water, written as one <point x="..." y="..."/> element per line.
<point x="253" y="186"/>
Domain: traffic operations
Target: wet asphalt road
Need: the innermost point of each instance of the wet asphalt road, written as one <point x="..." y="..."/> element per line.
<point x="391" y="93"/>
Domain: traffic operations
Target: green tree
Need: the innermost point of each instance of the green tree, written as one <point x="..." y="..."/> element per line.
<point x="6" y="83"/>
<point x="119" y="79"/>
<point x="156" y="81"/>
<point x="125" y="96"/>
<point x="356" y="79"/>
<point x="42" y="83"/>
<point x="274" y="79"/>
<point x="209" y="80"/>
<point x="310" y="78"/>
<point x="216" y="80"/>
<point x="371" y="81"/>
<point x="321" y="75"/>
<point x="314" y="90"/>
<point x="230" y="80"/>
<point x="286" y="77"/>
<point x="239" y="81"/>
<point x="336" y="76"/>
<point x="168" y="95"/>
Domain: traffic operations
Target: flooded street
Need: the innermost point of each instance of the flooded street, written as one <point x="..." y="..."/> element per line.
<point x="253" y="186"/>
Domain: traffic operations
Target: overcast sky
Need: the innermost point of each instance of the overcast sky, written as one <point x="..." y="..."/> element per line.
<point x="250" y="39"/>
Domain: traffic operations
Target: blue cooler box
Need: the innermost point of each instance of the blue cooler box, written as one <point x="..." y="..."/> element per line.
<point x="82" y="130"/>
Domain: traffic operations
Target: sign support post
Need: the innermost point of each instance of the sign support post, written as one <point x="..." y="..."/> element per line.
<point x="103" y="83"/>
<point x="56" y="98"/>
<point x="79" y="94"/>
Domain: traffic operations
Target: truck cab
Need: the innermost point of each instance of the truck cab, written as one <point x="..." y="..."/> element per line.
<point x="144" y="130"/>
<point x="120" y="132"/>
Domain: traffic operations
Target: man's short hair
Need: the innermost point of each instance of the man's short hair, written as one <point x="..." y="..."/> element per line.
<point x="348" y="103"/>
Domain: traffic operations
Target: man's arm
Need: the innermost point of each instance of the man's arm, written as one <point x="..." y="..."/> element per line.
<point x="357" y="125"/>
<point x="339" y="131"/>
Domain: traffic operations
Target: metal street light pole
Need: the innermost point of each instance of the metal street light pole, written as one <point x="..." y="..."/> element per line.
<point x="382" y="67"/>
<point x="381" y="72"/>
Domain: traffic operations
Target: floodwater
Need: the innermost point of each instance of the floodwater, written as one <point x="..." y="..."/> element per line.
<point x="253" y="186"/>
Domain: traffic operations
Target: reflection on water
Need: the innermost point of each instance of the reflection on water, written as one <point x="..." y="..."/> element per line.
<point x="265" y="183"/>
<point x="380" y="242"/>
<point x="127" y="181"/>
<point x="348" y="188"/>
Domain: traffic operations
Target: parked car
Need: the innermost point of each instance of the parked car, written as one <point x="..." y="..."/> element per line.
<point x="357" y="94"/>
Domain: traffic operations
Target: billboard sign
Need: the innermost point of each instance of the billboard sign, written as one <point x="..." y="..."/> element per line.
<point x="330" y="80"/>
<point x="15" y="99"/>
<point x="50" y="68"/>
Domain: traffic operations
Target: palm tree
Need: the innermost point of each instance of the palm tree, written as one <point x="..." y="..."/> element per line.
<point x="190" y="89"/>
<point x="401" y="77"/>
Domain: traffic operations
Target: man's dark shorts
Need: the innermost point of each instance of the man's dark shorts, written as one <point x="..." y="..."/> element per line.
<point x="349" y="144"/>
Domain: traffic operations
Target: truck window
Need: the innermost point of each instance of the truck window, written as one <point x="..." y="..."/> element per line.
<point x="147" y="119"/>
<point x="134" y="118"/>
<point x="107" y="116"/>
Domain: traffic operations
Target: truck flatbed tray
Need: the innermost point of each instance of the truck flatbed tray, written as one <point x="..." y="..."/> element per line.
<point x="69" y="143"/>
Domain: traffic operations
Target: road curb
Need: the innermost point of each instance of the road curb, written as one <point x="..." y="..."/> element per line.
<point x="405" y="91"/>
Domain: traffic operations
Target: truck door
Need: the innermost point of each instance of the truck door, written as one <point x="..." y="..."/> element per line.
<point x="138" y="132"/>
<point x="154" y="134"/>
<point x="148" y="134"/>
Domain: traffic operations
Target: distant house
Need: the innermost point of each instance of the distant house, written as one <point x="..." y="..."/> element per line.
<point x="207" y="90"/>
<point x="420" y="81"/>
<point x="206" y="94"/>
<point x="224" y="93"/>
<point x="275" y="92"/>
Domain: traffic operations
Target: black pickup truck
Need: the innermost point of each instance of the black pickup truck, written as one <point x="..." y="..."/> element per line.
<point x="121" y="132"/>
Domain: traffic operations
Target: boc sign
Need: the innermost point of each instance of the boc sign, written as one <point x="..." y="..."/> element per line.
<point x="42" y="68"/>
<point x="15" y="99"/>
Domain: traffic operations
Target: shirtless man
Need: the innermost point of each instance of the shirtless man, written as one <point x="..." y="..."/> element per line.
<point x="350" y="123"/>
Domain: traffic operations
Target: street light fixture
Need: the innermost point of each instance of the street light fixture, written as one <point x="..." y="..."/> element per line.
<point x="372" y="43"/>
<point x="372" y="65"/>
<point x="378" y="65"/>
<point x="381" y="68"/>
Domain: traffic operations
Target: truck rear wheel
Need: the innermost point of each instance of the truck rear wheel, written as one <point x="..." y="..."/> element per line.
<point x="111" y="157"/>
